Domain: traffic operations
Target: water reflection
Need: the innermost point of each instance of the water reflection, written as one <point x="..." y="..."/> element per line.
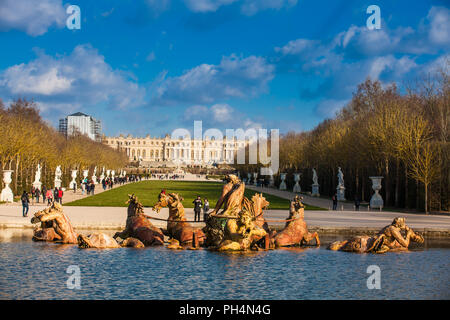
<point x="32" y="270"/>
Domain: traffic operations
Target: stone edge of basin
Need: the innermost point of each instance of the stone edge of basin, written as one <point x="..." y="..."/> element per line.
<point x="427" y="232"/>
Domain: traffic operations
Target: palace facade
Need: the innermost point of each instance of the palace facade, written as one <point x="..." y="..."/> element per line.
<point x="185" y="151"/>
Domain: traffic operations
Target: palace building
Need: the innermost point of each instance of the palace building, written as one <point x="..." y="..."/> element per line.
<point x="158" y="151"/>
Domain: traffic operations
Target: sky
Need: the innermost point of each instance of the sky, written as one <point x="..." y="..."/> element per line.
<point x="152" y="66"/>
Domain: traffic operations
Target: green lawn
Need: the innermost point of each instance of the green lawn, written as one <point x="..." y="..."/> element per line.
<point x="147" y="192"/>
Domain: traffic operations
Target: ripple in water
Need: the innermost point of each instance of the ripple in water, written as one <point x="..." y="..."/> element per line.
<point x="32" y="270"/>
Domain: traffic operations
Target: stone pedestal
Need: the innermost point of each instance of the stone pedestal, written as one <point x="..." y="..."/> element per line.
<point x="315" y="190"/>
<point x="7" y="195"/>
<point x="283" y="183"/>
<point x="37" y="185"/>
<point x="73" y="183"/>
<point x="340" y="190"/>
<point x="376" y="202"/>
<point x="297" y="187"/>
<point x="58" y="183"/>
<point x="271" y="181"/>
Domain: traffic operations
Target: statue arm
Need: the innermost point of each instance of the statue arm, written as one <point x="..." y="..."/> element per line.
<point x="398" y="236"/>
<point x="50" y="216"/>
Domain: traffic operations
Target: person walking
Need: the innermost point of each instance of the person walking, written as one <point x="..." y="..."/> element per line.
<point x="49" y="196"/>
<point x="33" y="194"/>
<point x="25" y="201"/>
<point x="205" y="209"/>
<point x="357" y="203"/>
<point x="104" y="184"/>
<point x="92" y="187"/>
<point x="60" y="195"/>
<point x="44" y="194"/>
<point x="56" y="195"/>
<point x="197" y="208"/>
<point x="38" y="194"/>
<point x="335" y="201"/>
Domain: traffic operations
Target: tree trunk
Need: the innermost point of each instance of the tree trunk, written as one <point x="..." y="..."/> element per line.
<point x="387" y="181"/>
<point x="357" y="181"/>
<point x="397" y="183"/>
<point x="363" y="187"/>
<point x="406" y="187"/>
<point x="417" y="195"/>
<point x="426" y="198"/>
<point x="17" y="174"/>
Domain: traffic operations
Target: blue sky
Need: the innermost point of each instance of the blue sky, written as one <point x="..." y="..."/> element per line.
<point x="151" y="66"/>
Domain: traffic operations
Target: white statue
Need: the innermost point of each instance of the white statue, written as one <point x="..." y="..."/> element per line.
<point x="255" y="178"/>
<point x="113" y="173"/>
<point x="108" y="173"/>
<point x="315" y="177"/>
<point x="58" y="174"/>
<point x="340" y="188"/>
<point x="315" y="185"/>
<point x="37" y="178"/>
<point x="7" y="195"/>
<point x="73" y="183"/>
<point x="85" y="173"/>
<point x="94" y="177"/>
<point x="102" y="176"/>
<point x="340" y="177"/>
<point x="297" y="187"/>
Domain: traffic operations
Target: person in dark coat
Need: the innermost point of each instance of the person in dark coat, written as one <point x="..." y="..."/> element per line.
<point x="357" y="203"/>
<point x="197" y="208"/>
<point x="335" y="201"/>
<point x="25" y="203"/>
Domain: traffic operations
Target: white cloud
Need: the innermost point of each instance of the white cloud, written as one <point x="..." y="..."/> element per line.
<point x="206" y="5"/>
<point x="158" y="6"/>
<point x="333" y="69"/>
<point x="222" y="112"/>
<point x="247" y="7"/>
<point x="439" y="30"/>
<point x="251" y="7"/>
<point x="234" y="77"/>
<point x="33" y="17"/>
<point x="83" y="77"/>
<point x="151" y="56"/>
<point x="221" y="115"/>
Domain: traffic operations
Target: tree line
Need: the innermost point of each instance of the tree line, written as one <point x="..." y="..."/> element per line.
<point x="26" y="140"/>
<point x="402" y="136"/>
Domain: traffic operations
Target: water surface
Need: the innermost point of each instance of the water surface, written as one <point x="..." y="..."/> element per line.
<point x="31" y="270"/>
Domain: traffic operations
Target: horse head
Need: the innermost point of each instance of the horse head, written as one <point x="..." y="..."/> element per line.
<point x="259" y="203"/>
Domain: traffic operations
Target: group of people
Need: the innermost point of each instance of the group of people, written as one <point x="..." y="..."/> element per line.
<point x="86" y="185"/>
<point x="198" y="206"/>
<point x="51" y="195"/>
<point x="334" y="198"/>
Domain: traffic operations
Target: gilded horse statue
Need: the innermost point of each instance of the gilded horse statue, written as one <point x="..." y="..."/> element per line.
<point x="295" y="231"/>
<point x="139" y="227"/>
<point x="177" y="227"/>
<point x="241" y="232"/>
